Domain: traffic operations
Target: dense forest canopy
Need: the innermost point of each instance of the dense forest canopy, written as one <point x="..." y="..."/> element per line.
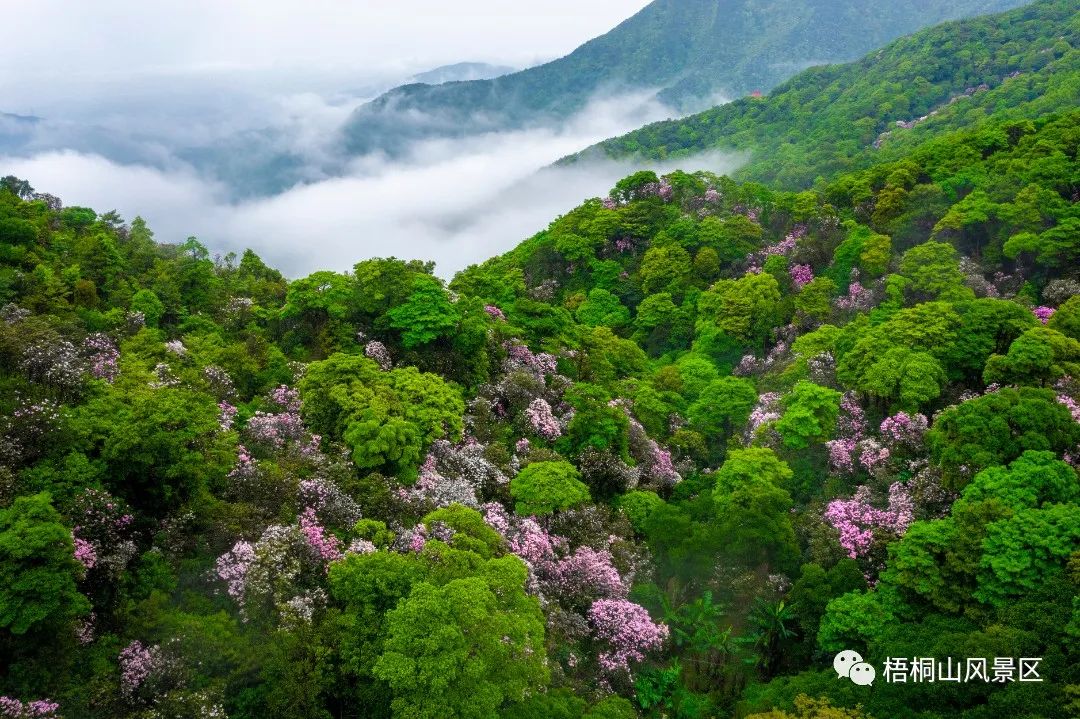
<point x="666" y="458"/>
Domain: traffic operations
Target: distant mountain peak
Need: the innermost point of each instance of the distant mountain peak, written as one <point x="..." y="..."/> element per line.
<point x="461" y="72"/>
<point x="693" y="51"/>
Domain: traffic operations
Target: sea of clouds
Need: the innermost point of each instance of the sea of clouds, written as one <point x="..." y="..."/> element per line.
<point x="457" y="202"/>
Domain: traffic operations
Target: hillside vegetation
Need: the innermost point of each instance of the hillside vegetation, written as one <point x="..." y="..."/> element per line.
<point x="835" y="118"/>
<point x="691" y="52"/>
<point x="665" y="458"/>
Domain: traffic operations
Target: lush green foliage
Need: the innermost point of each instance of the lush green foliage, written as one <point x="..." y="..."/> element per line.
<point x="835" y="118"/>
<point x="740" y="429"/>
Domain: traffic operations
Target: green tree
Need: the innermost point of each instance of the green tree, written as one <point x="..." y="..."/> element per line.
<point x="148" y="303"/>
<point x="814" y="301"/>
<point x="1067" y="318"/>
<point x="665" y="269"/>
<point x="385" y="418"/>
<point x="996" y="429"/>
<point x="810" y="413"/>
<point x="426" y="315"/>
<point x="161" y="446"/>
<point x="1038" y="357"/>
<point x="38" y="569"/>
<point x="747" y="308"/>
<point x="752" y="509"/>
<point x="723" y="406"/>
<point x="602" y="308"/>
<point x="733" y="238"/>
<point x="466" y="649"/>
<point x="546" y="487"/>
<point x="933" y="268"/>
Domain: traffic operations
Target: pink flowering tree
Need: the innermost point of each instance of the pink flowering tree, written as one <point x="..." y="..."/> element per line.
<point x="856" y="518"/>
<point x="11" y="708"/>
<point x="542" y="420"/>
<point x="626" y="634"/>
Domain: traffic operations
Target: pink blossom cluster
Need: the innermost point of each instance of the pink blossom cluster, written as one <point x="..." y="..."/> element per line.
<point x="285" y="563"/>
<point x="712" y="196"/>
<point x="609" y="203"/>
<point x="522" y="446"/>
<point x="857" y="298"/>
<point x="137" y="664"/>
<point x="219" y="381"/>
<point x="84" y="553"/>
<point x="628" y="632"/>
<point x="176" y="347"/>
<point x="495" y="313"/>
<point x="575" y="579"/>
<point x="233" y="566"/>
<point x="521" y="357"/>
<point x="246" y="468"/>
<point x="851" y="422"/>
<point x="411" y="540"/>
<point x="766" y="410"/>
<point x="457" y="474"/>
<point x="801" y="275"/>
<point x="856" y="518"/>
<point x="542" y="420"/>
<point x="24" y="432"/>
<point x="624" y="245"/>
<point x="661" y="189"/>
<point x="753" y="213"/>
<point x="103" y="535"/>
<point x="655" y="465"/>
<point x="103" y="356"/>
<point x="329" y="502"/>
<point x="748" y="365"/>
<point x="163" y="376"/>
<point x="284" y="398"/>
<point x="841" y="453"/>
<point x="659" y="467"/>
<point x="54" y="363"/>
<point x="325" y="544"/>
<point x="822" y="369"/>
<point x="37" y="709"/>
<point x="377" y="351"/>
<point x="226" y="415"/>
<point x="1071" y="404"/>
<point x="85" y="629"/>
<point x="873" y="456"/>
<point x="904" y="430"/>
<point x="587" y="574"/>
<point x="1043" y="314"/>
<point x="274" y="430"/>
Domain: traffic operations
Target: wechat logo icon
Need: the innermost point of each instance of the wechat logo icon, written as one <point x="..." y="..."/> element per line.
<point x="851" y="665"/>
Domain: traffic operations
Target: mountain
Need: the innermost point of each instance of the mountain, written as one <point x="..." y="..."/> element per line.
<point x="1024" y="62"/>
<point x="664" y="459"/>
<point x="461" y="72"/>
<point x="691" y="52"/>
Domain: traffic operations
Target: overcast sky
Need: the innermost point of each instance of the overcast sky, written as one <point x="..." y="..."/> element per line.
<point x="48" y="45"/>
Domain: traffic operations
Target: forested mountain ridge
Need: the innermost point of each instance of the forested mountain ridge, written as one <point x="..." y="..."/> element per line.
<point x="829" y="119"/>
<point x="663" y="459"/>
<point x="690" y="51"/>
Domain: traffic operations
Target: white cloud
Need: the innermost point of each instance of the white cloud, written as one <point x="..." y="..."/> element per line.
<point x="456" y="202"/>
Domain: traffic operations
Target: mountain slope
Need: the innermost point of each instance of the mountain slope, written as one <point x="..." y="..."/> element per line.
<point x="461" y="72"/>
<point x="690" y="50"/>
<point x="838" y="117"/>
